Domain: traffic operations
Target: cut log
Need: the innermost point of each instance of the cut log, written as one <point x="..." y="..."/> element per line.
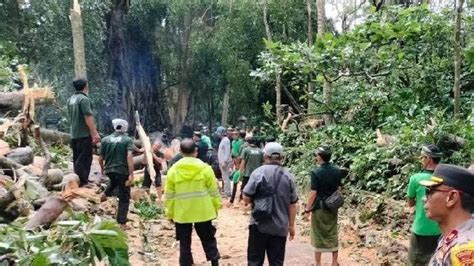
<point x="23" y="155"/>
<point x="72" y="190"/>
<point x="10" y="164"/>
<point x="147" y="146"/>
<point x="48" y="213"/>
<point x="54" y="176"/>
<point x="11" y="100"/>
<point x="54" y="136"/>
<point x="15" y="100"/>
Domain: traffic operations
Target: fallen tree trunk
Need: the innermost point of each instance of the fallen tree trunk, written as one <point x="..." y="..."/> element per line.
<point x="7" y="163"/>
<point x="23" y="155"/>
<point x="15" y="100"/>
<point x="54" y="136"/>
<point x="11" y="100"/>
<point x="147" y="147"/>
<point x="48" y="213"/>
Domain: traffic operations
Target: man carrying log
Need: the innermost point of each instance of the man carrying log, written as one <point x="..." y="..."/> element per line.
<point x="83" y="130"/>
<point x="116" y="150"/>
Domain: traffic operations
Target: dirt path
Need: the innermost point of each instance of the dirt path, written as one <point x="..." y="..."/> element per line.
<point x="232" y="236"/>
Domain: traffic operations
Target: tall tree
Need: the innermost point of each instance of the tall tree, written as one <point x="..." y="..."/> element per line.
<point x="278" y="71"/>
<point x="80" y="69"/>
<point x="457" y="57"/>
<point x="134" y="68"/>
<point x="327" y="89"/>
<point x="310" y="43"/>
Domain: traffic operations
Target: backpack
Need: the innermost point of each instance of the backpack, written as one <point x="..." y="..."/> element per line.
<point x="263" y="204"/>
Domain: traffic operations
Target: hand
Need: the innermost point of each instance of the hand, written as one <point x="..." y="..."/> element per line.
<point x="291" y="232"/>
<point x="95" y="138"/>
<point x="306" y="216"/>
<point x="129" y="181"/>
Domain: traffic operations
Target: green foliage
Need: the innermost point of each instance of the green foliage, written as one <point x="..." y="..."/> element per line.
<point x="147" y="209"/>
<point x="382" y="71"/>
<point x="60" y="155"/>
<point x="380" y="168"/>
<point x="65" y="242"/>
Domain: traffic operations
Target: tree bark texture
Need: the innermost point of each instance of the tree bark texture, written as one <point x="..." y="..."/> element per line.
<point x="457" y="58"/>
<point x="310" y="43"/>
<point x="135" y="70"/>
<point x="78" y="40"/>
<point x="225" y="107"/>
<point x="310" y="22"/>
<point x="15" y="100"/>
<point x="48" y="213"/>
<point x="327" y="88"/>
<point x="268" y="32"/>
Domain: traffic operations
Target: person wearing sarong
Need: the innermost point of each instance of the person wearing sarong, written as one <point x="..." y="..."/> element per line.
<point x="325" y="180"/>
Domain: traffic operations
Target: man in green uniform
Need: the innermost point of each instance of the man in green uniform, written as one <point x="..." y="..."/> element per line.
<point x="83" y="130"/>
<point x="325" y="180"/>
<point x="116" y="150"/>
<point x="252" y="158"/>
<point x="425" y="232"/>
<point x="192" y="199"/>
<point x="236" y="144"/>
<point x="202" y="147"/>
<point x="450" y="202"/>
<point x="205" y="137"/>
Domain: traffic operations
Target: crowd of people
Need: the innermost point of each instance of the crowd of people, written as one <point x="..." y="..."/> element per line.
<point x="442" y="194"/>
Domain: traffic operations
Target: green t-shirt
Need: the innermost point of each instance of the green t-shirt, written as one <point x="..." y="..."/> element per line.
<point x="207" y="140"/>
<point x="242" y="148"/>
<point x="236" y="147"/>
<point x="114" y="149"/>
<point x="253" y="158"/>
<point x="422" y="225"/>
<point x="236" y="176"/>
<point x="79" y="106"/>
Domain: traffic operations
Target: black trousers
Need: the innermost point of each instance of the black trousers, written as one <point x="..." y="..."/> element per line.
<point x="260" y="243"/>
<point x="118" y="181"/>
<point x="245" y="180"/>
<point x="82" y="158"/>
<point x="206" y="232"/>
<point x="234" y="192"/>
<point x="147" y="180"/>
<point x="421" y="249"/>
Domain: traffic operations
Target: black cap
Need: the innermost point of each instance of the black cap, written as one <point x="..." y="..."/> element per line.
<point x="323" y="149"/>
<point x="452" y="176"/>
<point x="431" y="150"/>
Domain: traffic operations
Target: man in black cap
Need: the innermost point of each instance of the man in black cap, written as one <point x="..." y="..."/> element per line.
<point x="325" y="180"/>
<point x="424" y="232"/>
<point x="450" y="202"/>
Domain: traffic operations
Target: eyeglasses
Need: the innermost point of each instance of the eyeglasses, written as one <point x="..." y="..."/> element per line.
<point x="431" y="190"/>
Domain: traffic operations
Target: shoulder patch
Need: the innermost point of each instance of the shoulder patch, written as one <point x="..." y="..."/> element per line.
<point x="463" y="254"/>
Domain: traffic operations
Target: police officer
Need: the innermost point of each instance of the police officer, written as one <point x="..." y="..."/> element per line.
<point x="450" y="202"/>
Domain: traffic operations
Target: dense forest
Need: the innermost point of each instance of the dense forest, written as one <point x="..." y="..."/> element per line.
<point x="375" y="79"/>
<point x="403" y="67"/>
